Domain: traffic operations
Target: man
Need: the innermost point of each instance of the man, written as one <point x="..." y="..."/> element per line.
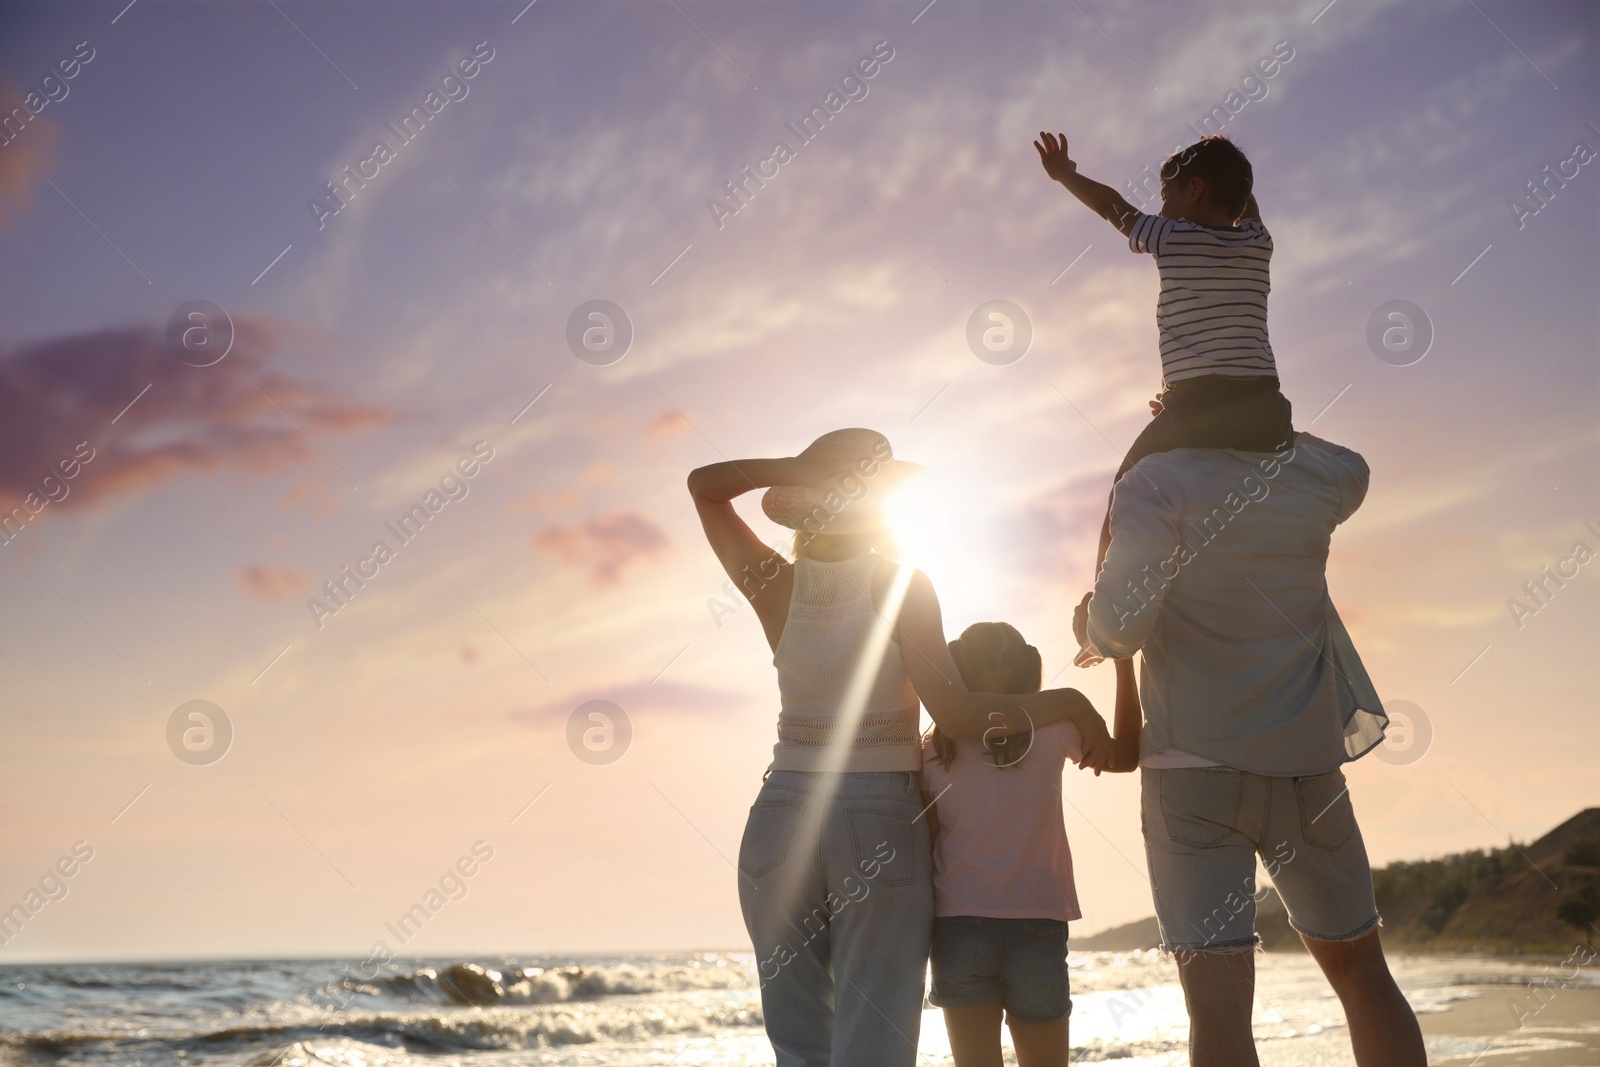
<point x="1254" y="698"/>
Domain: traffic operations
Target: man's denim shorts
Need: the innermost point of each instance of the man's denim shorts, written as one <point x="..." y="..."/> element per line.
<point x="1020" y="962"/>
<point x="1204" y="828"/>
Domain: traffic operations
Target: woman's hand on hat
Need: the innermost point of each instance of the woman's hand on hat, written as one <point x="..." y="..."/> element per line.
<point x="826" y="467"/>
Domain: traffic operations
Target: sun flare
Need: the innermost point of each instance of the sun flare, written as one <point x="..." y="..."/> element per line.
<point x="930" y="533"/>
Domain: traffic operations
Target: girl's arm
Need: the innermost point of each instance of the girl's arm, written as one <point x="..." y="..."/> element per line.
<point x="938" y="683"/>
<point x="1129" y="719"/>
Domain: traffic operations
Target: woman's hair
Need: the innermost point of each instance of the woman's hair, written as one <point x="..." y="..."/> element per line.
<point x="994" y="650"/>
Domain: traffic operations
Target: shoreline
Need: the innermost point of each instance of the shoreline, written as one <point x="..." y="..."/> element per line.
<point x="1563" y="1031"/>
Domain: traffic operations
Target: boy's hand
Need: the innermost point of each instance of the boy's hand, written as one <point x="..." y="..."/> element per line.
<point x="1053" y="154"/>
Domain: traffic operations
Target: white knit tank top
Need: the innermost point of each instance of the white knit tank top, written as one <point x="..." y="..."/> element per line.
<point x="837" y="651"/>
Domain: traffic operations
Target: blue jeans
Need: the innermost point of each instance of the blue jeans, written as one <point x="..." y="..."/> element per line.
<point x="836" y="887"/>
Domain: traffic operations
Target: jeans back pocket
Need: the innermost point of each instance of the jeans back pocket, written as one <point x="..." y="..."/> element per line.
<point x="1046" y="961"/>
<point x="885" y="846"/>
<point x="1200" y="805"/>
<point x="1327" y="818"/>
<point x="955" y="950"/>
<point x="766" y="835"/>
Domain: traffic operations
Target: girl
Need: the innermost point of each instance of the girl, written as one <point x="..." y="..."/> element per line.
<point x="834" y="877"/>
<point x="1002" y="877"/>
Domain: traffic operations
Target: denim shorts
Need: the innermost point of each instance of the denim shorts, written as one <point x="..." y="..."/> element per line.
<point x="1204" y="828"/>
<point x="1020" y="962"/>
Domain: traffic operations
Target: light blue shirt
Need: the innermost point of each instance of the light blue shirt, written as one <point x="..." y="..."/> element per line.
<point x="1217" y="570"/>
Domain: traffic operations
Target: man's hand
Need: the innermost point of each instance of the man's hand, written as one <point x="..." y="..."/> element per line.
<point x="1080" y="619"/>
<point x="1088" y="655"/>
<point x="1053" y="154"/>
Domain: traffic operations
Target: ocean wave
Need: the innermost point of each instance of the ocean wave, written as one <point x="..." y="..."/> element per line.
<point x="471" y="984"/>
<point x="502" y="1028"/>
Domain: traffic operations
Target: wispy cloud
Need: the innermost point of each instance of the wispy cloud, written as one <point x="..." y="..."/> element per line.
<point x="604" y="546"/>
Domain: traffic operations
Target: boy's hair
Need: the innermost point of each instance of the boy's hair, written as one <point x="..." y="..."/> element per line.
<point x="1000" y="647"/>
<point x="1219" y="163"/>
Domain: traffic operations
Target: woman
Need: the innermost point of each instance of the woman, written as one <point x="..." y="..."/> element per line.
<point x="834" y="877"/>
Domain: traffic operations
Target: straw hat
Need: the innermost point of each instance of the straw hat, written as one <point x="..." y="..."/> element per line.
<point x="857" y="504"/>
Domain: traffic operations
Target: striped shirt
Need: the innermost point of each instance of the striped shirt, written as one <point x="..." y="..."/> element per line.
<point x="1212" y="314"/>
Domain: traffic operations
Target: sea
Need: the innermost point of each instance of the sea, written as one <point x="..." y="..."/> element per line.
<point x="654" y="1009"/>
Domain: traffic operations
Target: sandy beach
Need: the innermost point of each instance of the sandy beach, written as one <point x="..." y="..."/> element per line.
<point x="1563" y="1032"/>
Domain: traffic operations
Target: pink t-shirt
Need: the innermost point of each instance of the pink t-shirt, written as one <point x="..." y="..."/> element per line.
<point x="1002" y="848"/>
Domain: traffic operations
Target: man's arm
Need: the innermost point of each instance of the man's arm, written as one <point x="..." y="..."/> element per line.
<point x="1143" y="558"/>
<point x="1100" y="199"/>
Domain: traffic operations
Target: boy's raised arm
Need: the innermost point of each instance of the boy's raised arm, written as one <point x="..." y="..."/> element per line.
<point x="1100" y="199"/>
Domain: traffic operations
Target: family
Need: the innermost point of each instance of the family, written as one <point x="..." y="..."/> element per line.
<point x="873" y="849"/>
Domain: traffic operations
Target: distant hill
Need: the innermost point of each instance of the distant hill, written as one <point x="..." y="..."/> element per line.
<point x="1500" y="900"/>
<point x="1125" y="938"/>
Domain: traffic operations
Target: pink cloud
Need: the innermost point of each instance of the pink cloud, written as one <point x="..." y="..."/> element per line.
<point x="666" y="423"/>
<point x="605" y="545"/>
<point x="143" y="417"/>
<point x="25" y="159"/>
<point x="271" y="583"/>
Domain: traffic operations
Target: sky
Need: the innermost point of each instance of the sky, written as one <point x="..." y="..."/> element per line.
<point x="181" y="512"/>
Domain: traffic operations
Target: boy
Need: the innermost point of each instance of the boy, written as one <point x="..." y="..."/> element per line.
<point x="1219" y="380"/>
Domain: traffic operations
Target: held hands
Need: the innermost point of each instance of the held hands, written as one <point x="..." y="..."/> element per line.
<point x="1098" y="754"/>
<point x="1053" y="154"/>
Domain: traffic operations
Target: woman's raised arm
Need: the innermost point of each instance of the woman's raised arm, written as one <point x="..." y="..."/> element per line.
<point x="760" y="573"/>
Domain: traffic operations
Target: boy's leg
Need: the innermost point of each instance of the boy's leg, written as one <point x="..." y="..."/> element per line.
<point x="975" y="1034"/>
<point x="1250" y="414"/>
<point x="1164" y="433"/>
<point x="1383" y="1028"/>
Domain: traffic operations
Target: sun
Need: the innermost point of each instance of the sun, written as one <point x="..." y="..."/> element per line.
<point x="932" y="534"/>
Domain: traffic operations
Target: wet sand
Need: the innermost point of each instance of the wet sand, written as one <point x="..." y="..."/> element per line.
<point x="1561" y="1028"/>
